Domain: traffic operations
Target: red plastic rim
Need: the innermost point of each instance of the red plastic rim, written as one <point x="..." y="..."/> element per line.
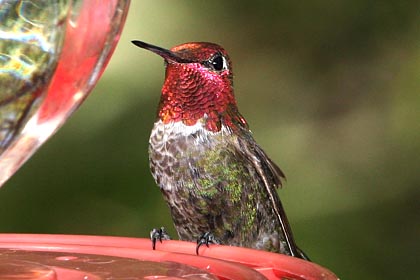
<point x="224" y="262"/>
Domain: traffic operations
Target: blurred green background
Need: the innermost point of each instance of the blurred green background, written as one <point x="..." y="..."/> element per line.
<point x="331" y="90"/>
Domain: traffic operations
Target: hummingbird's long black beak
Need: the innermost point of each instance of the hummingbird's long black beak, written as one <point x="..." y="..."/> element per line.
<point x="166" y="54"/>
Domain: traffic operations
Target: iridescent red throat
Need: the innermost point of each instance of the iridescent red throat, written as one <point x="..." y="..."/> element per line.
<point x="191" y="93"/>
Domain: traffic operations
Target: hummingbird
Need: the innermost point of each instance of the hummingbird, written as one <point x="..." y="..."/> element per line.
<point x="219" y="184"/>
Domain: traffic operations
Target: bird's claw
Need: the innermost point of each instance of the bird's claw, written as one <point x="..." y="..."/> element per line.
<point x="158" y="234"/>
<point x="205" y="239"/>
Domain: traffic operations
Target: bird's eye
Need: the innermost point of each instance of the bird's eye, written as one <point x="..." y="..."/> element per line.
<point x="218" y="62"/>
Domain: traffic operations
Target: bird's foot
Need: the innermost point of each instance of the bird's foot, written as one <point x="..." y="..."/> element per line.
<point x="158" y="234"/>
<point x="205" y="239"/>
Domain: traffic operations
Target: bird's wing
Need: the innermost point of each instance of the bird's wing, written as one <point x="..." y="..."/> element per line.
<point x="271" y="175"/>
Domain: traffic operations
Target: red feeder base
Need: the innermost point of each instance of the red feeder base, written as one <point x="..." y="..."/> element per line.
<point x="63" y="257"/>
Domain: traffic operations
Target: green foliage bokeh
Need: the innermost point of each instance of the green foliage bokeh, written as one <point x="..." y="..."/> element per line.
<point x="331" y="90"/>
